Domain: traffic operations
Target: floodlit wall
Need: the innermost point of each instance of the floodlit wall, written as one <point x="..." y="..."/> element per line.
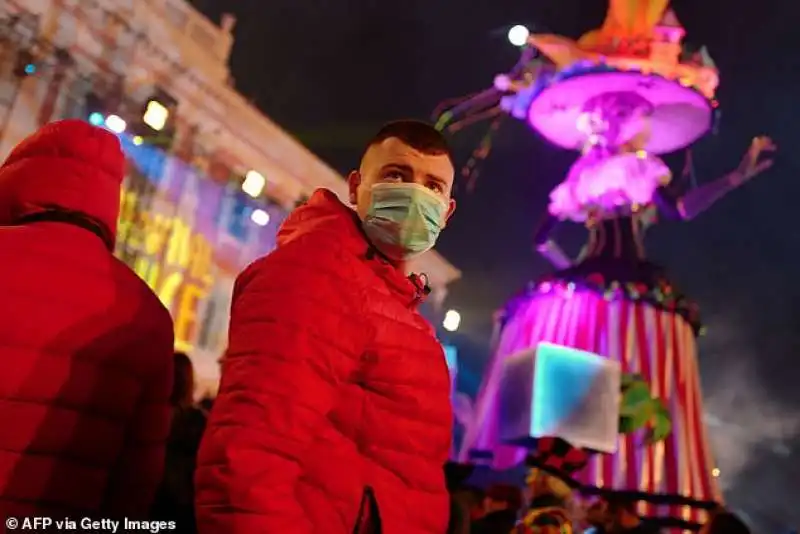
<point x="188" y="237"/>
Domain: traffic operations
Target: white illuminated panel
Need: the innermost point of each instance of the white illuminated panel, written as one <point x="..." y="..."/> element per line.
<point x="556" y="391"/>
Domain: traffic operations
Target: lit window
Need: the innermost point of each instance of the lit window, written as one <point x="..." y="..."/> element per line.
<point x="96" y="119"/>
<point x="116" y="124"/>
<point x="260" y="217"/>
<point x="452" y="320"/>
<point x="156" y="115"/>
<point x="254" y="183"/>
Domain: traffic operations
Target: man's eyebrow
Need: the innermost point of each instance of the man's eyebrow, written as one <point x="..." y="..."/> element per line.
<point x="400" y="166"/>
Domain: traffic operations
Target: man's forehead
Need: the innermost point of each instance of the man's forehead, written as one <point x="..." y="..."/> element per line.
<point x="393" y="150"/>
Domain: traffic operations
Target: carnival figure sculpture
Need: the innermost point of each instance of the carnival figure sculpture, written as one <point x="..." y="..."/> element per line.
<point x="621" y="101"/>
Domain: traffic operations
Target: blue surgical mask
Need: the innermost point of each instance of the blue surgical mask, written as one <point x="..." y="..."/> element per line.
<point x="404" y="220"/>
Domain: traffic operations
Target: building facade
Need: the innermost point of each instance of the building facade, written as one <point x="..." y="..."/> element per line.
<point x="186" y="225"/>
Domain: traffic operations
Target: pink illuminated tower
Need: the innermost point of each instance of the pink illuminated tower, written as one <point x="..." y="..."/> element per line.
<point x="620" y="96"/>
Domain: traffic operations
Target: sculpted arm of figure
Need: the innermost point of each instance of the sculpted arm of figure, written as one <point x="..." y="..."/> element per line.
<point x="546" y="246"/>
<point x="294" y="339"/>
<point x="701" y="198"/>
<point x="133" y="484"/>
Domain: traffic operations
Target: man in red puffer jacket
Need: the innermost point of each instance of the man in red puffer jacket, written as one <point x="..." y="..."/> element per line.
<point x="85" y="346"/>
<point x="334" y="415"/>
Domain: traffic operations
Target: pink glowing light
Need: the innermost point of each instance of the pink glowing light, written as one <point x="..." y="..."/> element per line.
<point x="680" y="115"/>
<point x="599" y="182"/>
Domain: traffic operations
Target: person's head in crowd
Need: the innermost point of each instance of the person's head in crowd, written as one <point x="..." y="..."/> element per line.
<point x="402" y="190"/>
<point x="459" y="522"/>
<point x="86" y="192"/>
<point x="597" y="514"/>
<point x="541" y="483"/>
<point x="622" y="513"/>
<point x="502" y="497"/>
<point x="183" y="381"/>
<point x="724" y="522"/>
<point x="473" y="498"/>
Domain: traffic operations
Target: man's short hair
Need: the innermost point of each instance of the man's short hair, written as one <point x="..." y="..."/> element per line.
<point x="506" y="493"/>
<point x="418" y="135"/>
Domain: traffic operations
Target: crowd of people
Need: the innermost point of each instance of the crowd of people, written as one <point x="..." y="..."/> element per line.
<point x="547" y="505"/>
<point x="333" y="414"/>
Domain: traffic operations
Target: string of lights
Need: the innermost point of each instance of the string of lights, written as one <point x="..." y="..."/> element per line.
<point x="472" y="168"/>
<point x="455" y="114"/>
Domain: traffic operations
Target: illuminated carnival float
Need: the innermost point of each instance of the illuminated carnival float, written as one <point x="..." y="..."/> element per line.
<point x="581" y="404"/>
<point x="577" y="407"/>
<point x="621" y="96"/>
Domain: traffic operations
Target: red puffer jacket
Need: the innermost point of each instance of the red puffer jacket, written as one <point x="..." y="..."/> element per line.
<point x="85" y="346"/>
<point x="333" y="387"/>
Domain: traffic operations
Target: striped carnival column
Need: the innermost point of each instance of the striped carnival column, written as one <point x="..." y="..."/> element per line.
<point x="654" y="343"/>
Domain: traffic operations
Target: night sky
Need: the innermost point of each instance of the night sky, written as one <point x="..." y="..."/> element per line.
<point x="330" y="72"/>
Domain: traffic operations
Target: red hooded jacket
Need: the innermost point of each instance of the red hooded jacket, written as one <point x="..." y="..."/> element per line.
<point x="85" y="346"/>
<point x="333" y="388"/>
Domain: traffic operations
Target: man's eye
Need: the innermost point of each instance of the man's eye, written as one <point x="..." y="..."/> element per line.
<point x="394" y="175"/>
<point x="436" y="187"/>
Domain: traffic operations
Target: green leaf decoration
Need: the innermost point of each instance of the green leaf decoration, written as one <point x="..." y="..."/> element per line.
<point x="661" y="423"/>
<point x="641" y="417"/>
<point x="629" y="379"/>
<point x="625" y="425"/>
<point x="639" y="410"/>
<point x="635" y="399"/>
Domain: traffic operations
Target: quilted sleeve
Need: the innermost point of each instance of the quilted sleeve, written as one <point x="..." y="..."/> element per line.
<point x="294" y="338"/>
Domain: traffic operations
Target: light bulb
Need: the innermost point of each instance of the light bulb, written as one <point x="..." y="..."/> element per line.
<point x="260" y="217"/>
<point x="518" y="35"/>
<point x="254" y="183"/>
<point x="452" y="320"/>
<point x="116" y="124"/>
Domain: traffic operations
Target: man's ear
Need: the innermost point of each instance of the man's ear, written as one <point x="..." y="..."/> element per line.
<point x="451" y="207"/>
<point x="353" y="181"/>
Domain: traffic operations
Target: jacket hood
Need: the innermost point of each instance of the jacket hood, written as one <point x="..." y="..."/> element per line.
<point x="324" y="213"/>
<point x="68" y="166"/>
